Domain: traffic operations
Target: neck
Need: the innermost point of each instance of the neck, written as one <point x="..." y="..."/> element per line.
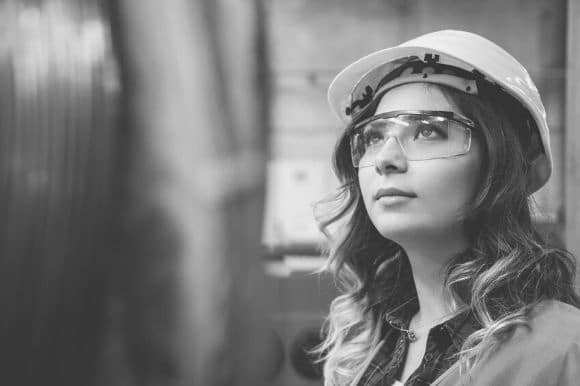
<point x="428" y="260"/>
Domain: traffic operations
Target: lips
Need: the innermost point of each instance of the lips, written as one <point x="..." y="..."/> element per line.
<point x="393" y="192"/>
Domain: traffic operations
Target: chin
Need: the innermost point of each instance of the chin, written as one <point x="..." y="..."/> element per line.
<point x="398" y="230"/>
<point x="401" y="230"/>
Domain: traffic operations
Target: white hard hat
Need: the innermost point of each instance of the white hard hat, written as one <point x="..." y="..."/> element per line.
<point x="356" y="84"/>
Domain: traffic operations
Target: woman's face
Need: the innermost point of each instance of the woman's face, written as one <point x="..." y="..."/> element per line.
<point x="440" y="188"/>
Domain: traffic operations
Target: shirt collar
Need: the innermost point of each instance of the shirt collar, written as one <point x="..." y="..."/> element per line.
<point x="461" y="326"/>
<point x="401" y="315"/>
<point x="458" y="328"/>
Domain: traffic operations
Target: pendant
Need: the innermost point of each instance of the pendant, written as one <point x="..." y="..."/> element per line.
<point x="411" y="335"/>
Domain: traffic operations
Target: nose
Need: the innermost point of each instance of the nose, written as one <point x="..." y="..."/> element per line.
<point x="391" y="158"/>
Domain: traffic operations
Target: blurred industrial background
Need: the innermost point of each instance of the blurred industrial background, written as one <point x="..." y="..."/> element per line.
<point x="160" y="162"/>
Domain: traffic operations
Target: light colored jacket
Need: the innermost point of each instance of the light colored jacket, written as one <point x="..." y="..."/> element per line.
<point x="546" y="354"/>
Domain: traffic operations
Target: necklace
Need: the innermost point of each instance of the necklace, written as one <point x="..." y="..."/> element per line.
<point x="409" y="332"/>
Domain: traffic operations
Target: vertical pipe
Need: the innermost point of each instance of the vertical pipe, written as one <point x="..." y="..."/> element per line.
<point x="57" y="192"/>
<point x="195" y="77"/>
<point x="572" y="158"/>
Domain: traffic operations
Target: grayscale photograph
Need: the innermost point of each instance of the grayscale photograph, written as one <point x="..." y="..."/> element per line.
<point x="290" y="192"/>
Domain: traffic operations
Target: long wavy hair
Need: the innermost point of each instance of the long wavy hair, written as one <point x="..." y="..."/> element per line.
<point x="506" y="271"/>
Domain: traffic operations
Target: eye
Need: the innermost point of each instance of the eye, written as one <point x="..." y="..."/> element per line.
<point x="430" y="132"/>
<point x="372" y="137"/>
<point x="426" y="131"/>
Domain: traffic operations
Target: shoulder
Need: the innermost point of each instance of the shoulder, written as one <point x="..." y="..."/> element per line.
<point x="553" y="324"/>
<point x="544" y="313"/>
<point x="552" y="333"/>
<point x="546" y="352"/>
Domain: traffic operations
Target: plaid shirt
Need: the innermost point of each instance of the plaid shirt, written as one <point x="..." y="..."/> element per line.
<point x="443" y="342"/>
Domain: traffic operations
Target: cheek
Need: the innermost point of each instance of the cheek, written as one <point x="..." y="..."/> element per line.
<point x="365" y="180"/>
<point x="454" y="186"/>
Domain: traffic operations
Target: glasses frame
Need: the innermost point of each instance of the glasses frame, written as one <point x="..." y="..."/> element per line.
<point x="468" y="123"/>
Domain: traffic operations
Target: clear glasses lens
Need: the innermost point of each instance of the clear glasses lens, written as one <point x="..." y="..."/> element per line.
<point x="420" y="136"/>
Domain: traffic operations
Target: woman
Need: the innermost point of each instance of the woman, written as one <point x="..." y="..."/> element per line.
<point x="445" y="280"/>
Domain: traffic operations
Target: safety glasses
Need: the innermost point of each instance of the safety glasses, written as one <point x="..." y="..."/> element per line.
<point x="421" y="134"/>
